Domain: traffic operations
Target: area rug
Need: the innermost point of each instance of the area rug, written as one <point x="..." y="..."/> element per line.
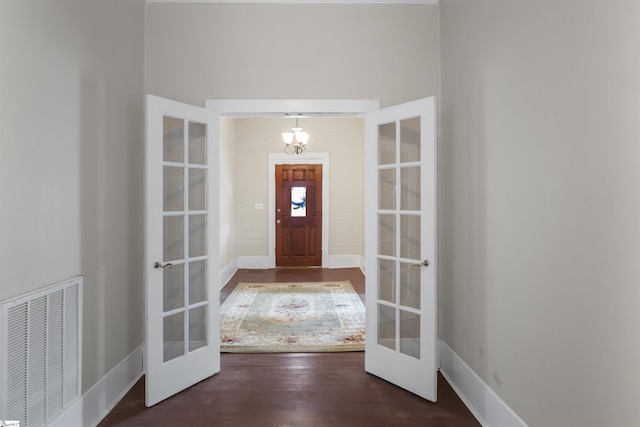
<point x="292" y="317"/>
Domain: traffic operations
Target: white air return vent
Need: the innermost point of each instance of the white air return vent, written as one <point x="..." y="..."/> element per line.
<point x="40" y="353"/>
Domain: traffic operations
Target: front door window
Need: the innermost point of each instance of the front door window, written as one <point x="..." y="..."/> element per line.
<point x="299" y="201"/>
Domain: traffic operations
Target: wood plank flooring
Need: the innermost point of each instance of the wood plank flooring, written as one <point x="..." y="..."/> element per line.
<point x="294" y="389"/>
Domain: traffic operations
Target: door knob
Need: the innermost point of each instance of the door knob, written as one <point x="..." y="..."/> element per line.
<point x="277" y="221"/>
<point x="167" y="265"/>
<point x="424" y="263"/>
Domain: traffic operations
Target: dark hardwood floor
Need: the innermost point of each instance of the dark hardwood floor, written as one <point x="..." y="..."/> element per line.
<point x="294" y="389"/>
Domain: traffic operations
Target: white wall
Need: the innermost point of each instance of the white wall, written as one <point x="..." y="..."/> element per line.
<point x="287" y="51"/>
<point x="71" y="162"/>
<point x="540" y="204"/>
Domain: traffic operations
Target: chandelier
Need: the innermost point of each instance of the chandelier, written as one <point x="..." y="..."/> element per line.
<point x="296" y="140"/>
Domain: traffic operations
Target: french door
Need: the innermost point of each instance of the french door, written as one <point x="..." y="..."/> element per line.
<point x="182" y="272"/>
<point x="400" y="250"/>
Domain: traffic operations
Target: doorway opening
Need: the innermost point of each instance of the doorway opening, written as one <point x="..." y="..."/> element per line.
<point x="248" y="255"/>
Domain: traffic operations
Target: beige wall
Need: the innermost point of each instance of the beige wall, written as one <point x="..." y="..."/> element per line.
<point x="540" y="204"/>
<point x="71" y="162"/>
<point x="228" y="192"/>
<point x="342" y="138"/>
<point x="273" y="51"/>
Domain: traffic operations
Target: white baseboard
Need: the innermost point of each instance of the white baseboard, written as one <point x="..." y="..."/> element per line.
<point x="96" y="403"/>
<point x="253" y="262"/>
<point x="482" y="401"/>
<point x="227" y="273"/>
<point x="343" y="261"/>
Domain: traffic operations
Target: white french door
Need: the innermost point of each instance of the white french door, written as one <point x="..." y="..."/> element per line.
<point x="182" y="290"/>
<point x="400" y="291"/>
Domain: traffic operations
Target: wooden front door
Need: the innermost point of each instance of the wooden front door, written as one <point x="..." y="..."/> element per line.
<point x="298" y="215"/>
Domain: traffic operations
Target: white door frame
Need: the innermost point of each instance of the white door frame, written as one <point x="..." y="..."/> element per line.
<point x="278" y="108"/>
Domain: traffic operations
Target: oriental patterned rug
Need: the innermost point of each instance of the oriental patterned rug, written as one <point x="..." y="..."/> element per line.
<point x="292" y="317"/>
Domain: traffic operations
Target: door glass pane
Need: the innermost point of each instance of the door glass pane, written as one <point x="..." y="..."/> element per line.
<point x="197" y="189"/>
<point x="410" y="140"/>
<point x="409" y="286"/>
<point x="173" y="238"/>
<point x="387" y="143"/>
<point x="197" y="235"/>
<point x="173" y="287"/>
<point x="387" y="326"/>
<point x="387" y="278"/>
<point x="197" y="327"/>
<point x="387" y="189"/>
<point x="387" y="235"/>
<point x="410" y="334"/>
<point x="410" y="189"/>
<point x="197" y="281"/>
<point x="298" y="201"/>
<point x="410" y="236"/>
<point x="173" y="140"/>
<point x="197" y="143"/>
<point x="173" y="189"/>
<point x="173" y="335"/>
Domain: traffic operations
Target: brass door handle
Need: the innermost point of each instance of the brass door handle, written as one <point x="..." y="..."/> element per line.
<point x="278" y="221"/>
<point x="167" y="265"/>
<point x="424" y="263"/>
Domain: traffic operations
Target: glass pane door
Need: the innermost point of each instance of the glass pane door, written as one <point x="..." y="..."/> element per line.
<point x="399" y="251"/>
<point x="184" y="237"/>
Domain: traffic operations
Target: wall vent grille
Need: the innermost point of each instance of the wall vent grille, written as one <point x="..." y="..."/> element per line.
<point x="40" y="353"/>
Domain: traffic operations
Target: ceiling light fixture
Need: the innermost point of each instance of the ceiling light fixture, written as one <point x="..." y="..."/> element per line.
<point x="296" y="140"/>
